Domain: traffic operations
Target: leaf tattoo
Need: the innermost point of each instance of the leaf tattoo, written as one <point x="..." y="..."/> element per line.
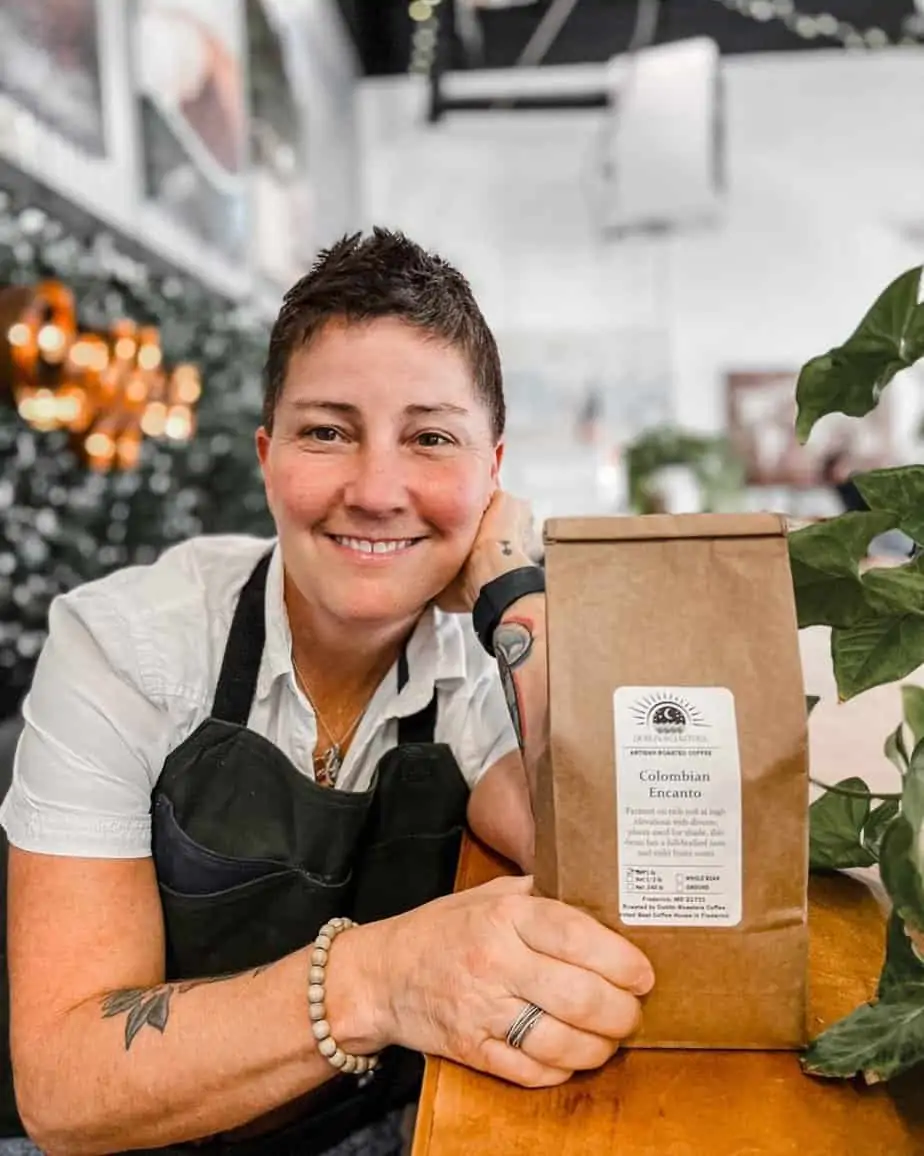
<point x="151" y="1006"/>
<point x="513" y="642"/>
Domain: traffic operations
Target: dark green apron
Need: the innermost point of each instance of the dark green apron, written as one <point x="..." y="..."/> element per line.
<point x="252" y="857"/>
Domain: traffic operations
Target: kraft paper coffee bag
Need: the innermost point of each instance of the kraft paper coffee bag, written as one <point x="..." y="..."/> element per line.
<point x="674" y="802"/>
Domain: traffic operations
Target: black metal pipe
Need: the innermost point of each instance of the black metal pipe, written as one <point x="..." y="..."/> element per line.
<point x="535" y="102"/>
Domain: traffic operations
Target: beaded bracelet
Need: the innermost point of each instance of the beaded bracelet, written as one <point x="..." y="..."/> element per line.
<point x="317" y="1010"/>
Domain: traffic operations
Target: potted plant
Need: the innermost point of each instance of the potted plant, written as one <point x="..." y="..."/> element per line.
<point x="710" y="460"/>
<point x="876" y="616"/>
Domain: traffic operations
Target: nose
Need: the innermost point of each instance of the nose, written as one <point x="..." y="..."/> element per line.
<point x="378" y="483"/>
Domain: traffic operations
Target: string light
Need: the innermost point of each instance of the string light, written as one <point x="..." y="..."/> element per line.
<point x="424" y="36"/>
<point x="107" y="391"/>
<point x="811" y="26"/>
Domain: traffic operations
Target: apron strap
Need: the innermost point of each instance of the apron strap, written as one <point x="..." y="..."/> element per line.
<point x="240" y="665"/>
<point x="420" y="727"/>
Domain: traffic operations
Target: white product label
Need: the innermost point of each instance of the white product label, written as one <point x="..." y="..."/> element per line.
<point x="678" y="802"/>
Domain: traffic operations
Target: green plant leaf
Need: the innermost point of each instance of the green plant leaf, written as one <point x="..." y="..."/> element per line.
<point x="880" y="1040"/>
<point x="900" y="490"/>
<point x="875" y="651"/>
<point x="824" y="559"/>
<point x="913" y="802"/>
<point x="914" y="336"/>
<point x="895" y="750"/>
<point x="902" y="967"/>
<point x="901" y="875"/>
<point x="850" y="378"/>
<point x="896" y="589"/>
<point x="888" y="318"/>
<point x="877" y="824"/>
<point x="835" y="826"/>
<point x="811" y="701"/>
<point x="913" y="710"/>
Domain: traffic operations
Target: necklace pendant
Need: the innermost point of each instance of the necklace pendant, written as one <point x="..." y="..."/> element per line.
<point x="330" y="766"/>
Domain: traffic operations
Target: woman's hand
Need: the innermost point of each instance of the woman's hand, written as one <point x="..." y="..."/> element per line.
<point x="505" y="541"/>
<point x="449" y="979"/>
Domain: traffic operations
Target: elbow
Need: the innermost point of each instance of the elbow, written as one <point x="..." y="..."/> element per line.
<point x="35" y="1125"/>
<point x="42" y="1130"/>
<point x="47" y="1122"/>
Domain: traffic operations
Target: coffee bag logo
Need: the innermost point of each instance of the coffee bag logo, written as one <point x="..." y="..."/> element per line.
<point x="667" y="714"/>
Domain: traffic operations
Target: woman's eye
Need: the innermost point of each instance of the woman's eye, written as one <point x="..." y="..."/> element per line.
<point x="321" y="433"/>
<point x="430" y="440"/>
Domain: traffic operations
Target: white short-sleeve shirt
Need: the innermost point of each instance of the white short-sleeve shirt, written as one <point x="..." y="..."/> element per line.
<point x="129" y="671"/>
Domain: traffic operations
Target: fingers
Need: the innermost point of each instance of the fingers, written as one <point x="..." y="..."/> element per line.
<point x="580" y="999"/>
<point x="571" y="936"/>
<point x="518" y="1067"/>
<point x="556" y="1045"/>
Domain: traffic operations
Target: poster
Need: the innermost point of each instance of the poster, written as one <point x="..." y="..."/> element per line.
<point x="50" y="65"/>
<point x="761" y="426"/>
<point x="192" y="116"/>
<point x="281" y="199"/>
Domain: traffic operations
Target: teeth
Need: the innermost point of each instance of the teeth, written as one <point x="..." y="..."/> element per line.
<point x="367" y="546"/>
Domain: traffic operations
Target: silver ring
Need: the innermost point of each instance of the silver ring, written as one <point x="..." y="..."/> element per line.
<point x="524" y="1024"/>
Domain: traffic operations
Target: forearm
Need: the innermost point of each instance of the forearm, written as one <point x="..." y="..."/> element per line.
<point x="520" y="647"/>
<point x="182" y="1061"/>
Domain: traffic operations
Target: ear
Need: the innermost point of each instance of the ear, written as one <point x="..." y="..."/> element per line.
<point x="496" y="464"/>
<point x="263" y="441"/>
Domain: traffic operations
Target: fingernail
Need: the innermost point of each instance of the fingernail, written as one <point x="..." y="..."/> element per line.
<point x="644" y="983"/>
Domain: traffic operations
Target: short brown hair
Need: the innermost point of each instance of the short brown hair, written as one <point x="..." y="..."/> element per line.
<point x="385" y="275"/>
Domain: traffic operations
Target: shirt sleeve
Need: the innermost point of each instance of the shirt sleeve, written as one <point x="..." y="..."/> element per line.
<point x="83" y="772"/>
<point x="487" y="729"/>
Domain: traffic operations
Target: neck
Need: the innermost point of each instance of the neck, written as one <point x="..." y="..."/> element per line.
<point x="340" y="661"/>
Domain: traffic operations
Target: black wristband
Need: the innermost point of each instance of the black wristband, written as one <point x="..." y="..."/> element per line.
<point x="498" y="595"/>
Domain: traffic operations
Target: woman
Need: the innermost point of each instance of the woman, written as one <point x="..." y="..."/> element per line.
<point x="244" y="742"/>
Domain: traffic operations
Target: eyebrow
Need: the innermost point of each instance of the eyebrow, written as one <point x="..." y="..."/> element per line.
<point x="349" y="410"/>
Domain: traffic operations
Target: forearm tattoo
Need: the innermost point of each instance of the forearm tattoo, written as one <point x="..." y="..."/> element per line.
<point x="151" y="1006"/>
<point x="513" y="642"/>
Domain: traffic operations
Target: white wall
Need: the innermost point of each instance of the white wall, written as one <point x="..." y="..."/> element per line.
<point x="825" y="160"/>
<point x="325" y="69"/>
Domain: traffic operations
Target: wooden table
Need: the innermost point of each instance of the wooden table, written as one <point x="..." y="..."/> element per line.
<point x="656" y="1103"/>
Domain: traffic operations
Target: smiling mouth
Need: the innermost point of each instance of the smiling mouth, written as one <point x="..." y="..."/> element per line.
<point x="375" y="546"/>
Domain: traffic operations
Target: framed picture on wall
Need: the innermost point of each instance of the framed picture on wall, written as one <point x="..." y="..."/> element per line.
<point x="190" y="91"/>
<point x="761" y="425"/>
<point x="280" y="189"/>
<point x="50" y="66"/>
<point x="63" y="102"/>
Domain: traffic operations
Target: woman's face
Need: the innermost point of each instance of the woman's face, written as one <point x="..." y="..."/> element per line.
<point x="379" y="468"/>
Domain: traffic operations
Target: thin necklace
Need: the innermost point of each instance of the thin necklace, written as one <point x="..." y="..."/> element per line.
<point x="327" y="766"/>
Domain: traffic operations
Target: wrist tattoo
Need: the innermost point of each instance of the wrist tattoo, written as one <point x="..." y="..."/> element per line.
<point x="151" y="1006"/>
<point x="506" y="547"/>
<point x="513" y="642"/>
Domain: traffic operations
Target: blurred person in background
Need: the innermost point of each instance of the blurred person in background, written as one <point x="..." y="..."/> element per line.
<point x="837" y="472"/>
<point x="230" y="755"/>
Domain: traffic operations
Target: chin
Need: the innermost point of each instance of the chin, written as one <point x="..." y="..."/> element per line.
<point x="376" y="610"/>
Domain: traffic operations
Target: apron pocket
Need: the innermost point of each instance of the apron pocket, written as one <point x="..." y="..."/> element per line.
<point x="191" y="869"/>
<point x="248" y="925"/>
<point x="400" y="874"/>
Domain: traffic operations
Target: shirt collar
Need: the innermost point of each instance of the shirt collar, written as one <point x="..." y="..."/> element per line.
<point x="436" y="651"/>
